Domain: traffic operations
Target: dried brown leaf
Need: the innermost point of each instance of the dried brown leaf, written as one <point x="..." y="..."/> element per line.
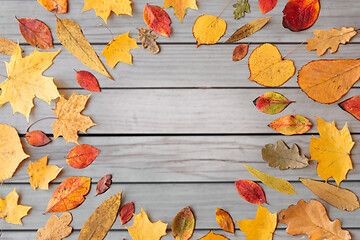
<point x="148" y="40"/>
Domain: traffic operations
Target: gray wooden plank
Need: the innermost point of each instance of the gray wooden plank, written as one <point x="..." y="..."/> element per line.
<point x="186" y="66"/>
<point x="163" y="201"/>
<point x="175" y="159"/>
<point x="193" y="111"/>
<point x="332" y="14"/>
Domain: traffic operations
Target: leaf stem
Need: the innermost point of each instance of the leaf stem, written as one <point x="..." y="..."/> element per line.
<point x="27" y="130"/>
<point x="112" y="35"/>
<point x="294" y="49"/>
<point x="3" y="76"/>
<point x="223" y="8"/>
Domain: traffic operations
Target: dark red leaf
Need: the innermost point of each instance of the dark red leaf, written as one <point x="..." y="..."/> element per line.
<point x="37" y="138"/>
<point x="104" y="184"/>
<point x="250" y="191"/>
<point x="127" y="212"/>
<point x="36" y="33"/>
<point x="352" y="106"/>
<point x="240" y="52"/>
<point x="267" y="5"/>
<point x="87" y="81"/>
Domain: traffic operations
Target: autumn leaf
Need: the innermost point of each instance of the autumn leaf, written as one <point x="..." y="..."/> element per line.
<point x="332" y="151"/>
<point x="11" y="151"/>
<point x="41" y="173"/>
<point x="250" y="191"/>
<point x="55" y="6"/>
<point x="104" y="184"/>
<point x="148" y="40"/>
<point x="72" y="38"/>
<point x="266" y="6"/>
<point x="118" y="50"/>
<point x="262" y="227"/>
<point x="157" y="19"/>
<point x="241" y="7"/>
<point x="7" y="46"/>
<point x="183" y="224"/>
<point x="56" y="228"/>
<point x="104" y="8"/>
<point x="37" y="138"/>
<point x="144" y="229"/>
<point x="326" y="81"/>
<point x="102" y="219"/>
<point x="225" y="221"/>
<point x="278" y="184"/>
<point x="208" y="29"/>
<point x="240" y="52"/>
<point x="127" y="212"/>
<point x="180" y="6"/>
<point x="212" y="236"/>
<point x="69" y="118"/>
<point x="311" y="219"/>
<point x="248" y="29"/>
<point x="352" y="106"/>
<point x="82" y="156"/>
<point x="36" y="33"/>
<point x="271" y="103"/>
<point x="330" y="39"/>
<point x="340" y="198"/>
<point x="284" y="157"/>
<point x="69" y="194"/>
<point x="25" y="81"/>
<point x="291" y="124"/>
<point x="87" y="81"/>
<point x="268" y="68"/>
<point x="300" y="14"/>
<point x="11" y="211"/>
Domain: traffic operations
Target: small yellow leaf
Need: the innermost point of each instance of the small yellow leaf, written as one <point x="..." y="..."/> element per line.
<point x="10" y="210"/>
<point x="208" y="29"/>
<point x="41" y="173"/>
<point x="260" y="228"/>
<point x="144" y="229"/>
<point x="118" y="50"/>
<point x="103" y="8"/>
<point x="225" y="221"/>
<point x="268" y="68"/>
<point x="180" y="6"/>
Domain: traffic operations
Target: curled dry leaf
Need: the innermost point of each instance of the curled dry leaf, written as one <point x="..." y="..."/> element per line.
<point x="69" y="118"/>
<point x="300" y="14"/>
<point x="262" y="227"/>
<point x="212" y="236"/>
<point x="104" y="184"/>
<point x="208" y="29"/>
<point x="291" y="124"/>
<point x="157" y="19"/>
<point x="69" y="194"/>
<point x="102" y="219"/>
<point x="41" y="173"/>
<point x="340" y="198"/>
<point x="271" y="103"/>
<point x="118" y="50"/>
<point x="352" y="106"/>
<point x="250" y="191"/>
<point x="11" y="151"/>
<point x="330" y="39"/>
<point x="241" y="7"/>
<point x="148" y="40"/>
<point x="180" y="6"/>
<point x="87" y="81"/>
<point x="332" y="151"/>
<point x="36" y="33"/>
<point x="127" y="212"/>
<point x="55" y="6"/>
<point x="266" y="6"/>
<point x="104" y="8"/>
<point x="82" y="156"/>
<point x="37" y="138"/>
<point x="183" y="224"/>
<point x="248" y="29"/>
<point x="240" y="52"/>
<point x="225" y="221"/>
<point x="56" y="228"/>
<point x="312" y="219"/>
<point x="7" y="46"/>
<point x="280" y="155"/>
<point x="278" y="184"/>
<point x="268" y="68"/>
<point x="11" y="211"/>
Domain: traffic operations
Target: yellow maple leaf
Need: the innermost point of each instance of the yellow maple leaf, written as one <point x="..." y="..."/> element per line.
<point x="330" y="39"/>
<point x="332" y="151"/>
<point x="180" y="6"/>
<point x="212" y="236"/>
<point x="10" y="210"/>
<point x="25" y="81"/>
<point x="103" y="8"/>
<point x="69" y="118"/>
<point x="144" y="229"/>
<point x="260" y="228"/>
<point x="118" y="50"/>
<point x="11" y="151"/>
<point x="208" y="29"/>
<point x="41" y="173"/>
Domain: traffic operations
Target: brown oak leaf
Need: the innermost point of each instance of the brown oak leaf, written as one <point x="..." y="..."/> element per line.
<point x="148" y="40"/>
<point x="56" y="228"/>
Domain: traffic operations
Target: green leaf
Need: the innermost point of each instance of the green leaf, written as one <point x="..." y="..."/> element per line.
<point x="241" y="7"/>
